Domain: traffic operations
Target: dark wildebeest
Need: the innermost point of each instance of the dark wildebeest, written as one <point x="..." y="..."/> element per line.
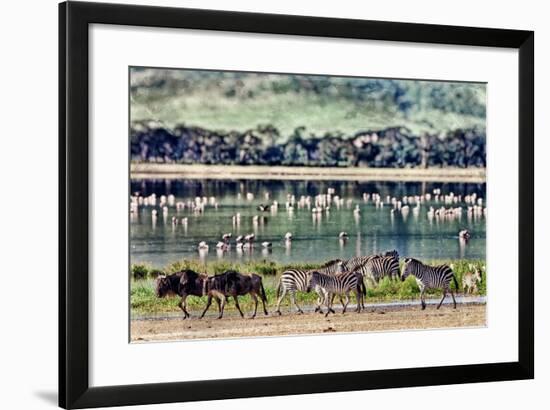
<point x="184" y="283"/>
<point x="235" y="284"/>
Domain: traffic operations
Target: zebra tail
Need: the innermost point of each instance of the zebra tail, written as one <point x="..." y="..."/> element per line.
<point x="364" y="287"/>
<point x="456" y="282"/>
<point x="278" y="289"/>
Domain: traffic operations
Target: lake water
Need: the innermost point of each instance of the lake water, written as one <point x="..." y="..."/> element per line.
<point x="315" y="239"/>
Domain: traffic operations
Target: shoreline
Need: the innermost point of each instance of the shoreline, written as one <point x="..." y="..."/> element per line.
<point x="199" y="171"/>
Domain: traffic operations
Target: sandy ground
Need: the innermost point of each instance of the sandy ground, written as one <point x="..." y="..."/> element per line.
<point x="147" y="170"/>
<point x="373" y="319"/>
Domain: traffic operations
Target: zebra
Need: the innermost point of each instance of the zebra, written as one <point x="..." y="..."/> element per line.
<point x="341" y="284"/>
<point x="380" y="266"/>
<point x="430" y="277"/>
<point x="296" y="280"/>
<point x="357" y="261"/>
<point x="360" y="294"/>
<point x="375" y="268"/>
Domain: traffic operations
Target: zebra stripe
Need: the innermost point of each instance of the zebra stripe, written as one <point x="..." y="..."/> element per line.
<point x="342" y="284"/>
<point x="357" y="261"/>
<point x="430" y="277"/>
<point x="376" y="268"/>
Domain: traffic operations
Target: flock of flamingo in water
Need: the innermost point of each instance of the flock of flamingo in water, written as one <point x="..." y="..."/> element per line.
<point x="442" y="208"/>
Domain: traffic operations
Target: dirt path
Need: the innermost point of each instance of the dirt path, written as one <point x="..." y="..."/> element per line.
<point x="374" y="319"/>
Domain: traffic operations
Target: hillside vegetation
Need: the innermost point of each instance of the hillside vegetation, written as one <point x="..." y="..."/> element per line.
<point x="232" y="118"/>
<point x="237" y="101"/>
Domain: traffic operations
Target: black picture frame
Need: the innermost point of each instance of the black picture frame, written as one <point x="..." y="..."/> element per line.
<point x="74" y="20"/>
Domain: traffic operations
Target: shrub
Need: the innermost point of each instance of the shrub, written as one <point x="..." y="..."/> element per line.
<point x="183" y="264"/>
<point x="263" y="268"/>
<point x="409" y="288"/>
<point x="154" y="273"/>
<point x="139" y="271"/>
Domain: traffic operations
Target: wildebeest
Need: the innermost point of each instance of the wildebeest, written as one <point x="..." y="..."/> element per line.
<point x="183" y="283"/>
<point x="235" y="284"/>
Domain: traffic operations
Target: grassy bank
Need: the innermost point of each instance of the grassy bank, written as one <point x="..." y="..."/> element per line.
<point x="143" y="300"/>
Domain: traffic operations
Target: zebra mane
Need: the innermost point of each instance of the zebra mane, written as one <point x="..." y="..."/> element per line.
<point x="407" y="260"/>
<point x="331" y="262"/>
<point x="393" y="253"/>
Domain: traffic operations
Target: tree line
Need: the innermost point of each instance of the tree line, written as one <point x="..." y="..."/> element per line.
<point x="394" y="147"/>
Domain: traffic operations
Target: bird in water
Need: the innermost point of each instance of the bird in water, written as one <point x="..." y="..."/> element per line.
<point x="464" y="234"/>
<point x="222" y="246"/>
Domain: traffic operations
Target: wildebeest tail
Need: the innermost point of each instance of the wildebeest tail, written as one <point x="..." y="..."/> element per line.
<point x="264" y="297"/>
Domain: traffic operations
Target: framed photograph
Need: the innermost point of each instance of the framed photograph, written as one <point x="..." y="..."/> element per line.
<point x="319" y="204"/>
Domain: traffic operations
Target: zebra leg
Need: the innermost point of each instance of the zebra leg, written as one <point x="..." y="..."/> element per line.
<point x="279" y="302"/>
<point x="330" y="309"/>
<point x="328" y="299"/>
<point x="359" y="297"/>
<point x="454" y="300"/>
<point x="237" y="305"/>
<point x="339" y="297"/>
<point x="320" y="301"/>
<point x="293" y="299"/>
<point x="363" y="293"/>
<point x="422" y="301"/>
<point x="443" y="298"/>
<point x="346" y="304"/>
